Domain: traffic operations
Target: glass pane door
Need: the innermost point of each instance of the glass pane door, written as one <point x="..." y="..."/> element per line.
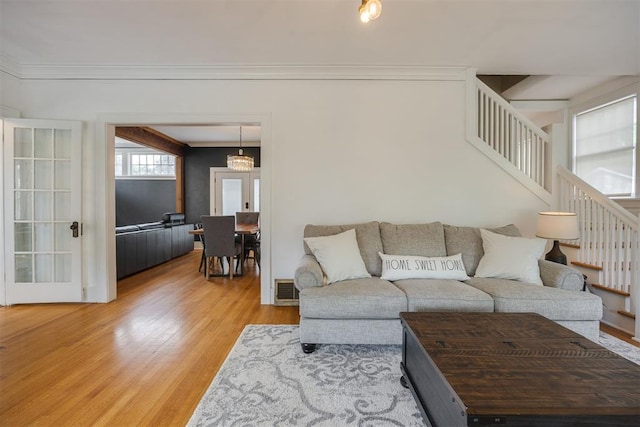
<point x="256" y="192"/>
<point x="42" y="211"/>
<point x="235" y="192"/>
<point x="232" y="195"/>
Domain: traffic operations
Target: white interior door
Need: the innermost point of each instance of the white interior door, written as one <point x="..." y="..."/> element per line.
<point x="42" y="211"/>
<point x="234" y="192"/>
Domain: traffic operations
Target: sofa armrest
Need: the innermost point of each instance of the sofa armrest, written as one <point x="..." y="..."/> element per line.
<point x="308" y="274"/>
<point x="560" y="276"/>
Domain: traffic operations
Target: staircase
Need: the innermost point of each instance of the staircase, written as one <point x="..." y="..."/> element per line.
<point x="608" y="250"/>
<point x="508" y="138"/>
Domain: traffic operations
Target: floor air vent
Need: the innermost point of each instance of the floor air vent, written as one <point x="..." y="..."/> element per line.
<point x="286" y="292"/>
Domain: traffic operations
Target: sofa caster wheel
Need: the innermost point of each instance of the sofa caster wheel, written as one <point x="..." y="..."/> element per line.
<point x="308" y="348"/>
<point x="403" y="382"/>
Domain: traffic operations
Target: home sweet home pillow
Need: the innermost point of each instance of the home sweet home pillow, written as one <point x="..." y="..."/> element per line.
<point x="398" y="267"/>
<point x="339" y="256"/>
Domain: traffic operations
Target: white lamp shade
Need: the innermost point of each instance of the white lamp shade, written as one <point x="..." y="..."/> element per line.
<point x="558" y="226"/>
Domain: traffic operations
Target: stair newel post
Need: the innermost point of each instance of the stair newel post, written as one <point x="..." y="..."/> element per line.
<point x="635" y="279"/>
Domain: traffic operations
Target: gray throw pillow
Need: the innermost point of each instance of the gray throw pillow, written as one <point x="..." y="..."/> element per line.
<point x="413" y="239"/>
<point x="468" y="242"/>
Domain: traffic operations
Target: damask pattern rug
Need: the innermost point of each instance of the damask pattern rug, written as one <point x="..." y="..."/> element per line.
<point x="268" y="381"/>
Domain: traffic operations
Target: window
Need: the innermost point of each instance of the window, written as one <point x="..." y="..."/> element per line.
<point x="144" y="162"/>
<point x="151" y="165"/>
<point x="605" y="142"/>
<point x="119" y="157"/>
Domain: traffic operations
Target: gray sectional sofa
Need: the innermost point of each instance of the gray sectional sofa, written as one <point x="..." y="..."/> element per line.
<point x="366" y="310"/>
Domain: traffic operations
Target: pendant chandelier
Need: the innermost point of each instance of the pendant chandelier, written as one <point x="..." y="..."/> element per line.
<point x="240" y="162"/>
<point x="370" y="10"/>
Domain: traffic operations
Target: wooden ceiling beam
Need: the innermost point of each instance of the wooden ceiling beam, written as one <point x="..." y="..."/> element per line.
<point x="151" y="138"/>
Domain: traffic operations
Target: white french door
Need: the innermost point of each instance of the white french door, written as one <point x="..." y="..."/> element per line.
<point x="42" y="211"/>
<point x="233" y="192"/>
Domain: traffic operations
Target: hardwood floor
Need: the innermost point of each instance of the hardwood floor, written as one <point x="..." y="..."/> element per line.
<point x="619" y="334"/>
<point x="145" y="359"/>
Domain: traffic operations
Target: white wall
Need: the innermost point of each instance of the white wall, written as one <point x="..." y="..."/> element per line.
<point x="337" y="151"/>
<point x="9" y="95"/>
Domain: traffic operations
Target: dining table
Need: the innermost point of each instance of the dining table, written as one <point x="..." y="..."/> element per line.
<point x="242" y="230"/>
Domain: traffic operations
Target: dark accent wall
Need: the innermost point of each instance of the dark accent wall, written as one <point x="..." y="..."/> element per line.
<point x="144" y="200"/>
<point x="197" y="162"/>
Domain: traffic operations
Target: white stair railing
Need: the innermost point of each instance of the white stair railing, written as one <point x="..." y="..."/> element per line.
<point x="507" y="137"/>
<point x="609" y="234"/>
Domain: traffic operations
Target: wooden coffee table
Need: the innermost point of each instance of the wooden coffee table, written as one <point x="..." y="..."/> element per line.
<point x="514" y="369"/>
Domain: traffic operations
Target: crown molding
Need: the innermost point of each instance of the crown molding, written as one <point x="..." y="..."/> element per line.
<point x="9" y="112"/>
<point x="239" y="72"/>
<point x="10" y="66"/>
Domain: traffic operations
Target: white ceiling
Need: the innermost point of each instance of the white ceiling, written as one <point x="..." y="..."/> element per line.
<point x="206" y="136"/>
<point x="541" y="37"/>
<point x="570" y="45"/>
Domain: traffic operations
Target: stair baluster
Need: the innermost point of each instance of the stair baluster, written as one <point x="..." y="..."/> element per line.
<point x="609" y="237"/>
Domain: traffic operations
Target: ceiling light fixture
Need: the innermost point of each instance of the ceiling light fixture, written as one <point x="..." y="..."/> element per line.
<point x="240" y="162"/>
<point x="370" y="10"/>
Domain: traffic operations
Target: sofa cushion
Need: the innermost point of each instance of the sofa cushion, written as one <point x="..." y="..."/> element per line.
<point x="127" y="229"/>
<point x="397" y="267"/>
<point x="508" y="257"/>
<point x="413" y="239"/>
<point x="338" y="255"/>
<point x="367" y="235"/>
<point x="151" y="225"/>
<point x="443" y="295"/>
<point x="510" y="296"/>
<point x="468" y="242"/>
<point x="370" y="298"/>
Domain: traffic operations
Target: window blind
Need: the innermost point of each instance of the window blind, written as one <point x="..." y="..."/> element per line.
<point x="604" y="147"/>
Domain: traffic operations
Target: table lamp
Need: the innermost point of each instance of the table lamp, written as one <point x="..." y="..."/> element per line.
<point x="557" y="226"/>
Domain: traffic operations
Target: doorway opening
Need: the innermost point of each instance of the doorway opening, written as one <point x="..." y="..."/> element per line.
<point x="112" y="121"/>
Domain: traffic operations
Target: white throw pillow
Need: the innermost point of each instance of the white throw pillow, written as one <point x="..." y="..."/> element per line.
<point x="508" y="257"/>
<point x="397" y="267"/>
<point x="339" y="256"/>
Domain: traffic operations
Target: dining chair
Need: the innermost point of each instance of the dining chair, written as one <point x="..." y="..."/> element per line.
<point x="247" y="217"/>
<point x="251" y="241"/>
<point x="219" y="235"/>
<point x="200" y="237"/>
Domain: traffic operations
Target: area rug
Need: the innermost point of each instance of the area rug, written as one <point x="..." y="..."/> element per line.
<point x="268" y="381"/>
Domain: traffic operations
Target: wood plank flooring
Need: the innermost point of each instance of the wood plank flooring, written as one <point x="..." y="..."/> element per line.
<point x="624" y="336"/>
<point x="145" y="359"/>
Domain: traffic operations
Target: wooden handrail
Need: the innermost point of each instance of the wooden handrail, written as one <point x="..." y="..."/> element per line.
<point x="622" y="213"/>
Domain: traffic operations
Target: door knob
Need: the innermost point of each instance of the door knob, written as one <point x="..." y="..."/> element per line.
<point x="74" y="228"/>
